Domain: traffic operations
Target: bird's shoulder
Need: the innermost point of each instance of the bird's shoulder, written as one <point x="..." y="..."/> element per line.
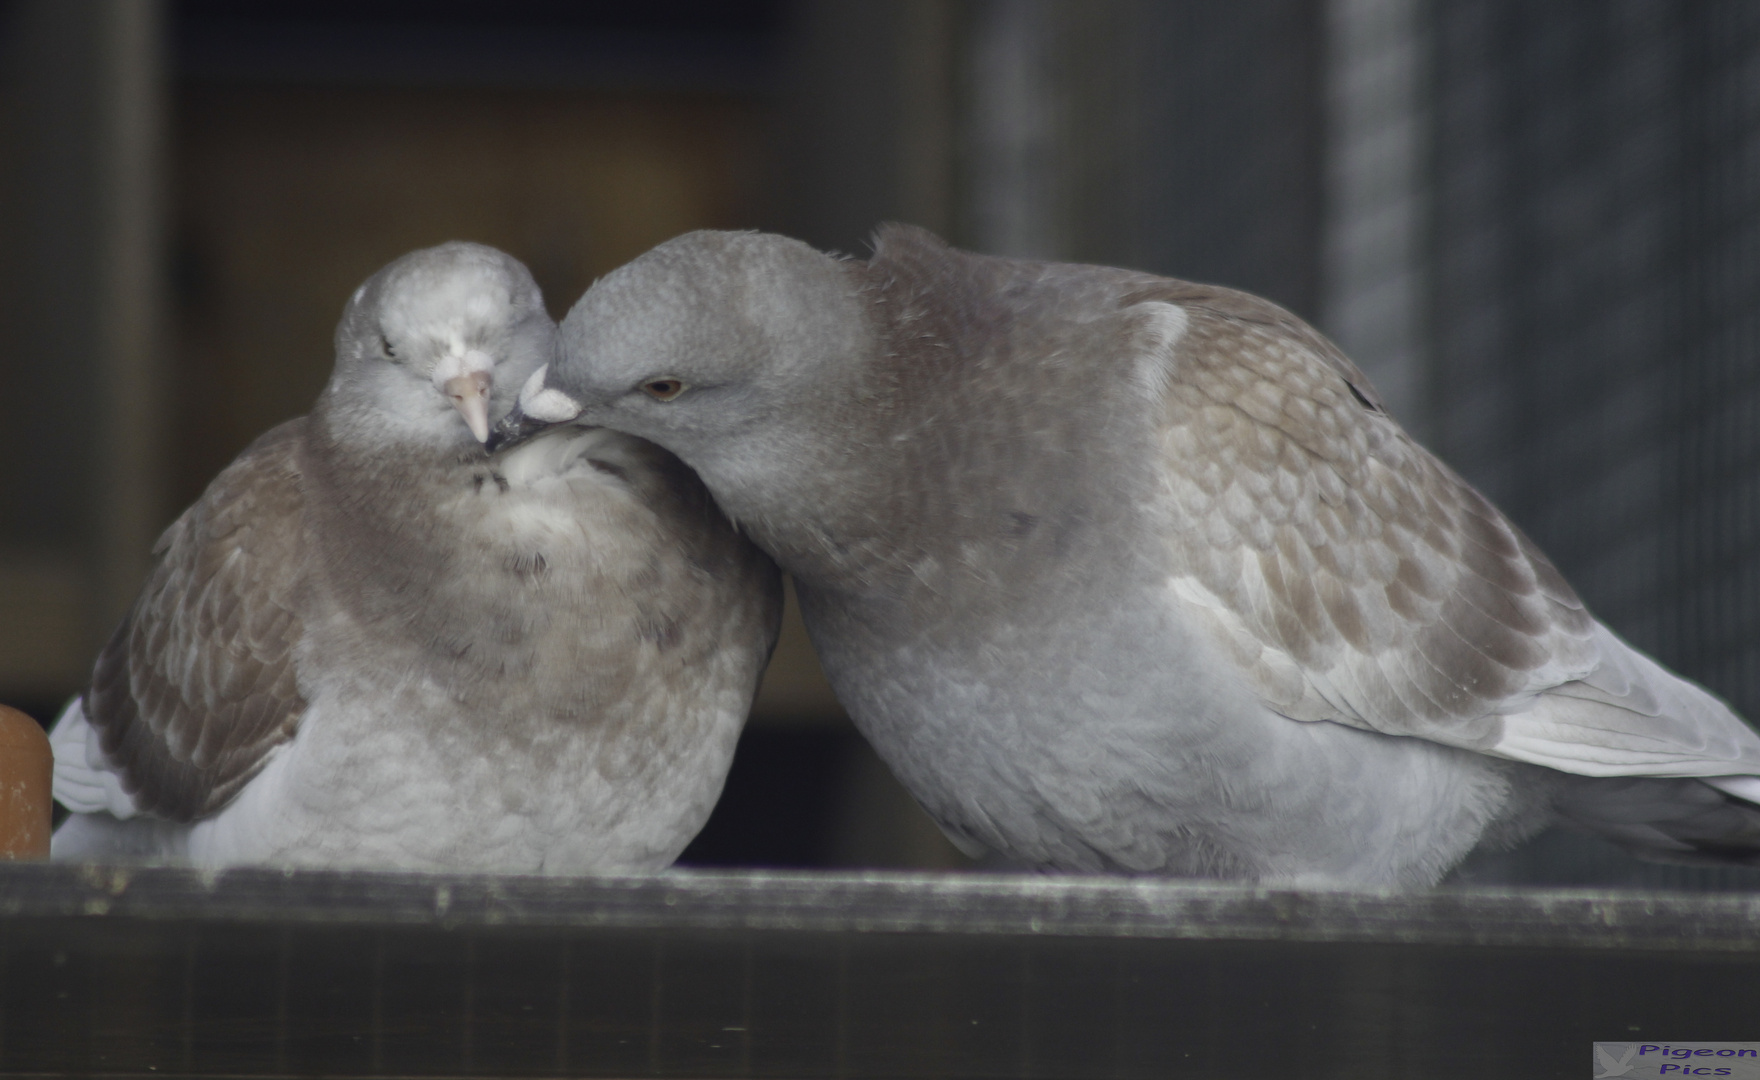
<point x="198" y="683"/>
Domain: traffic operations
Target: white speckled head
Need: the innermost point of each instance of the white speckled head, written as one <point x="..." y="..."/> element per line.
<point x="442" y="335"/>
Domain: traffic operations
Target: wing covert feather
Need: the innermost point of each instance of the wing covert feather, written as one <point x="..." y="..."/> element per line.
<point x="198" y="684"/>
<point x="1352" y="575"/>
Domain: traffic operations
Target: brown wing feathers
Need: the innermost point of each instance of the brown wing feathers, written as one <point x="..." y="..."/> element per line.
<point x="1338" y="542"/>
<point x="198" y="684"/>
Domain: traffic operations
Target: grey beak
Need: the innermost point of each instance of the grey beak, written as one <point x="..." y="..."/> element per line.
<point x="515" y="428"/>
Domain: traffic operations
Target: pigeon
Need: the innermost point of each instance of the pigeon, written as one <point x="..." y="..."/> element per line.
<point x="1124" y="574"/>
<point x="370" y="644"/>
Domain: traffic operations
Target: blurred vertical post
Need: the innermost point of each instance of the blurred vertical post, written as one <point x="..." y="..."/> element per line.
<point x="869" y="117"/>
<point x="1375" y="227"/>
<point x="1051" y="126"/>
<point x="90" y="81"/>
<point x="928" y="92"/>
<point x="1015" y="109"/>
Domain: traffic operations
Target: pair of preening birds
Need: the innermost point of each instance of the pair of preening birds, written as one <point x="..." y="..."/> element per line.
<point x="1117" y="573"/>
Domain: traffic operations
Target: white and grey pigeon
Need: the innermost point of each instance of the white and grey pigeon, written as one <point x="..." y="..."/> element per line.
<point x="370" y="644"/>
<point x="1124" y="573"/>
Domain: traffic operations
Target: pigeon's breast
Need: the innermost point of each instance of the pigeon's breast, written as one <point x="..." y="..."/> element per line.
<point x="460" y="787"/>
<point x="566" y="496"/>
<point x="1115" y="736"/>
<point x="563" y="684"/>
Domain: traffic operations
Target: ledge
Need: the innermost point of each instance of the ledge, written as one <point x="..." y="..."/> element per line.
<point x="988" y="904"/>
<point x="148" y="971"/>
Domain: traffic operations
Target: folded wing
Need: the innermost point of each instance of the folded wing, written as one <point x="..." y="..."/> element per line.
<point x="1356" y="579"/>
<point x="197" y="686"/>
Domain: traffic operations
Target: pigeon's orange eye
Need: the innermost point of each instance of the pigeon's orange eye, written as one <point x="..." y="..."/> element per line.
<point x="664" y="389"/>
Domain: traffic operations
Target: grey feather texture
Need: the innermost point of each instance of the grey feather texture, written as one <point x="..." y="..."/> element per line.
<point x="1125" y="573"/>
<point x="370" y="643"/>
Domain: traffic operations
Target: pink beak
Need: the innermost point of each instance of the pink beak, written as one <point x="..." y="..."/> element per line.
<point x="470" y="396"/>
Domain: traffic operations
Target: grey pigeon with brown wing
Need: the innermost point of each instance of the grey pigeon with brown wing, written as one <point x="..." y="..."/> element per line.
<point x="1124" y="573"/>
<point x="371" y="644"/>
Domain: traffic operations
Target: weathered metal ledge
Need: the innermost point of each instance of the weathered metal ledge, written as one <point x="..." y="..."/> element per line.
<point x="151" y="970"/>
<point x="1005" y="904"/>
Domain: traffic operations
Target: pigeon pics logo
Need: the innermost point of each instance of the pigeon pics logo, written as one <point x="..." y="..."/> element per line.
<point x="1667" y="1060"/>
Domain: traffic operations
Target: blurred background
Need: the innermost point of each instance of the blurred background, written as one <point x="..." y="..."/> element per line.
<point x="1537" y="227"/>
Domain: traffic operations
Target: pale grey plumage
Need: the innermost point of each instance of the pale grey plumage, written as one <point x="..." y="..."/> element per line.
<point x="371" y="644"/>
<point x="1124" y="572"/>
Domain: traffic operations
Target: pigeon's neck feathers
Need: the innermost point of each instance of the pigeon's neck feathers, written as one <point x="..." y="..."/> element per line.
<point x="974" y="372"/>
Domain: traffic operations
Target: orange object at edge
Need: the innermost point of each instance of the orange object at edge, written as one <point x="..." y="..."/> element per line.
<point x="26" y="770"/>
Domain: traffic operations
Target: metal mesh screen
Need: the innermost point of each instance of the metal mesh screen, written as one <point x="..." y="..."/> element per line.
<point x="1229" y="146"/>
<point x="1597" y="331"/>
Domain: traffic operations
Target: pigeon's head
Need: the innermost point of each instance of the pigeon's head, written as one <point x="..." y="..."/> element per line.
<point x="441" y="334"/>
<point x="703" y="345"/>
